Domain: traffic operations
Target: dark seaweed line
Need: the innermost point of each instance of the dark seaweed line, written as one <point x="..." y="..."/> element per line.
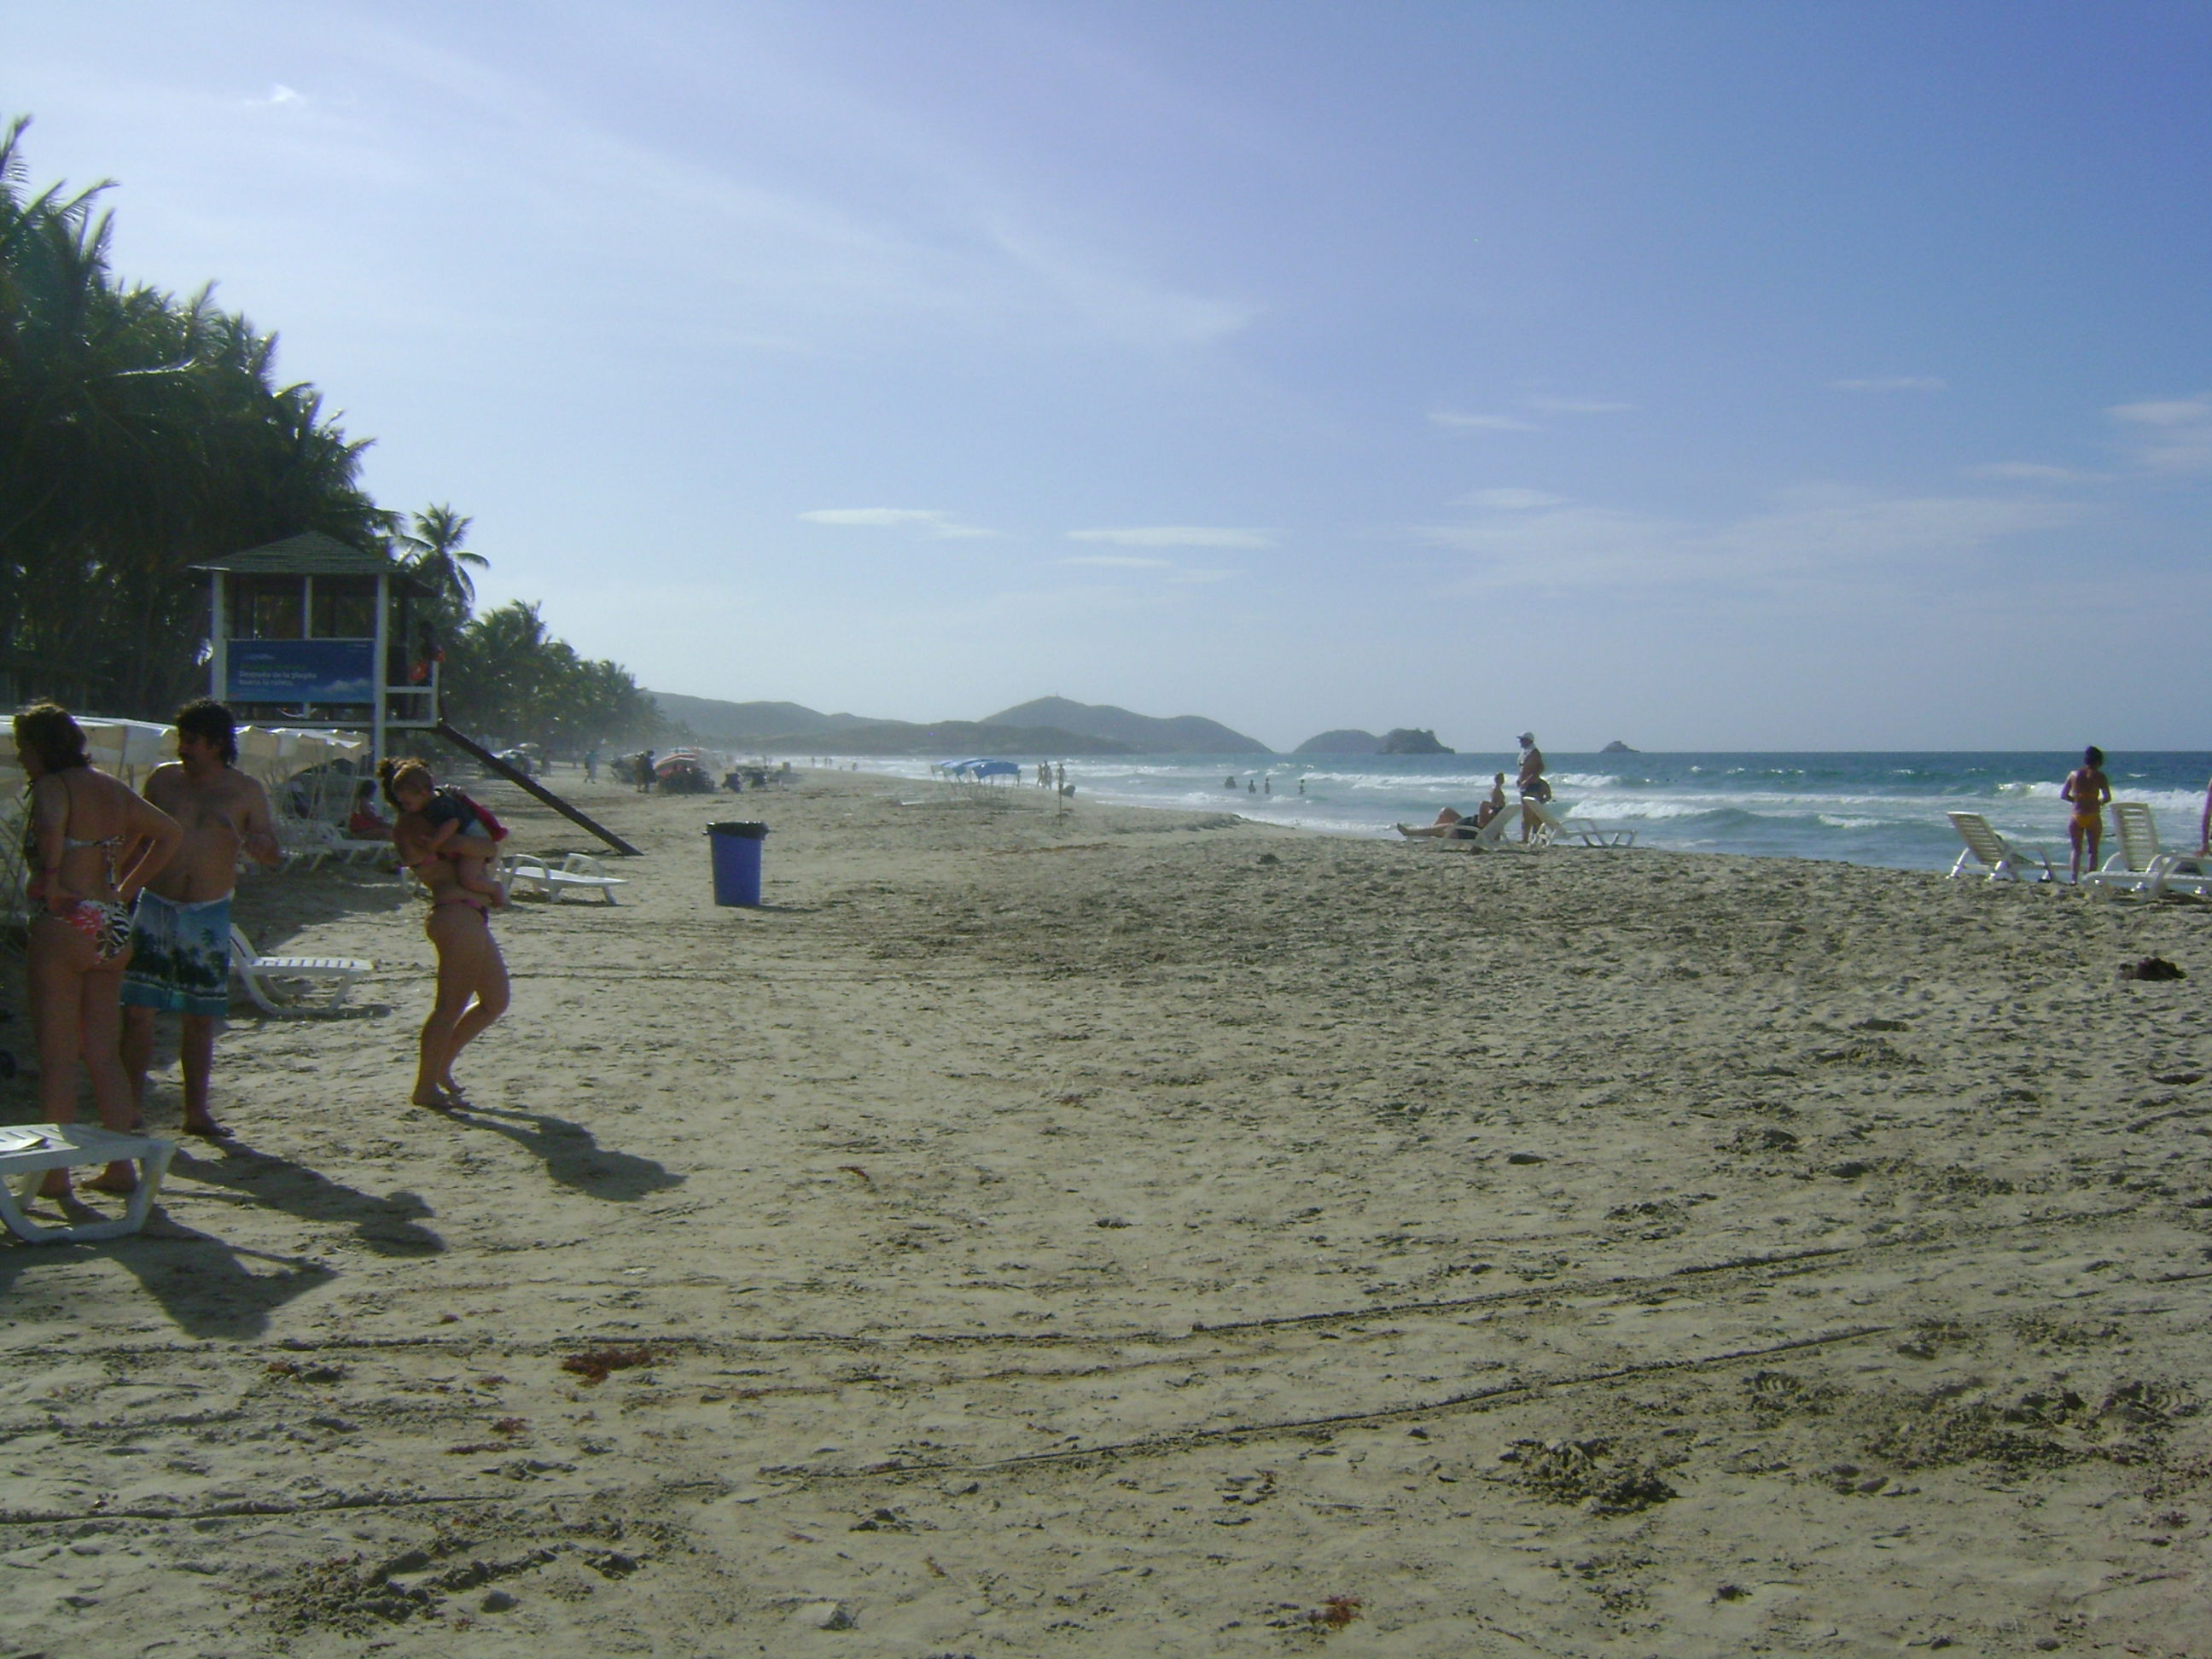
<point x="1792" y="1262"/>
<point x="243" y="1507"/>
<point x="1478" y="1401"/>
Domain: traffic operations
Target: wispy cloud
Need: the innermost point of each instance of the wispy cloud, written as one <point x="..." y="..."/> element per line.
<point x="936" y="525"/>
<point x="2168" y="435"/>
<point x="1510" y="501"/>
<point x="1578" y="406"/>
<point x="1170" y="571"/>
<point x="1175" y="535"/>
<point x="2030" y="472"/>
<point x="1810" y="537"/>
<point x="280" y="97"/>
<point x="1892" y="383"/>
<point x="1537" y="403"/>
<point x="1119" y="302"/>
<point x="1460" y="420"/>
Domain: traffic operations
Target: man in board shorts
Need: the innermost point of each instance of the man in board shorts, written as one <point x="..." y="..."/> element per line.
<point x="1531" y="783"/>
<point x="180" y="932"/>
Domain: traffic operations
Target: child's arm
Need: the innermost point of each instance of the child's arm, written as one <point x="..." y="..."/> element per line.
<point x="442" y="833"/>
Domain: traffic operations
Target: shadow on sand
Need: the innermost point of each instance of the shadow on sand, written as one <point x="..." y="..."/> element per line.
<point x="205" y="1287"/>
<point x="386" y="1226"/>
<point x="572" y="1156"/>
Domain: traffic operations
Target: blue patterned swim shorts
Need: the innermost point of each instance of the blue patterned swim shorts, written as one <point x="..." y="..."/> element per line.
<point x="180" y="956"/>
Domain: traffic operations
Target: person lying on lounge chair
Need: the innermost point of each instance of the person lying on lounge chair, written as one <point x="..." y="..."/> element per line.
<point x="1447" y="825"/>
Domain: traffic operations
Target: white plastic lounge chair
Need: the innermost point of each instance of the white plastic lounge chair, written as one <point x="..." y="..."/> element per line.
<point x="28" y="1151"/>
<point x="261" y="975"/>
<point x="351" y="848"/>
<point x="578" y="872"/>
<point x="1503" y="832"/>
<point x="298" y="845"/>
<point x="1564" y="826"/>
<point x="2141" y="864"/>
<point x="2001" y="858"/>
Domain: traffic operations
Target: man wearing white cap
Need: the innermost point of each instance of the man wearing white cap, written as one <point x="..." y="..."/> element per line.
<point x="1531" y="782"/>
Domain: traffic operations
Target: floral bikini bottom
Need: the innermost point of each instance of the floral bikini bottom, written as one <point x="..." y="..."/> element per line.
<point x="107" y="926"/>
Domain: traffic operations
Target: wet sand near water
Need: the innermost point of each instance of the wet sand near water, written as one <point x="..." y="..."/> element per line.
<point x="1152" y="1233"/>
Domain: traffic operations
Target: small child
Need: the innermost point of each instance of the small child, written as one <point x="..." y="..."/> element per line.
<point x="451" y="814"/>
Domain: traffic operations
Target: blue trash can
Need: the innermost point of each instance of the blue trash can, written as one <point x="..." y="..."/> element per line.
<point x="736" y="849"/>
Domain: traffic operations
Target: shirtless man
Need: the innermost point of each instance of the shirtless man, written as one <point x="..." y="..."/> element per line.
<point x="2089" y="791"/>
<point x="1531" y="783"/>
<point x="181" y="934"/>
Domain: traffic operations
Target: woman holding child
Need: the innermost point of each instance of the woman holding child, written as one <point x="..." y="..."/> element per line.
<point x="472" y="973"/>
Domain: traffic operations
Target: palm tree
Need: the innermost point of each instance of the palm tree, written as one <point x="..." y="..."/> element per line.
<point x="139" y="434"/>
<point x="435" y="555"/>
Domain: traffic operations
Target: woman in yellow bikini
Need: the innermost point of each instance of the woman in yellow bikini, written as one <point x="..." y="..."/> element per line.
<point x="472" y="973"/>
<point x="2090" y="792"/>
<point x="90" y="844"/>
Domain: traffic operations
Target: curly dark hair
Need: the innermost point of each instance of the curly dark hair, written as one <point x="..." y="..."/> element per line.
<point x="211" y="722"/>
<point x="46" y="730"/>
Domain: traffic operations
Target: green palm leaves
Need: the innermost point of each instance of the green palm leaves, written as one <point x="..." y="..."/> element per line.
<point x="139" y="433"/>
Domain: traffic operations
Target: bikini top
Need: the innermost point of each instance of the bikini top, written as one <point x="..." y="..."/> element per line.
<point x="68" y="842"/>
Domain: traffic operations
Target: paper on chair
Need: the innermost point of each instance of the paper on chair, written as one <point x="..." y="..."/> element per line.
<point x="23" y="1138"/>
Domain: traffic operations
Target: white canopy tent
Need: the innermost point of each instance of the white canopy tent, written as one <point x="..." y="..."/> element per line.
<point x="131" y="749"/>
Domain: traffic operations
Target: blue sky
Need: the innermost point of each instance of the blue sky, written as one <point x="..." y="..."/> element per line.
<point x="1708" y="376"/>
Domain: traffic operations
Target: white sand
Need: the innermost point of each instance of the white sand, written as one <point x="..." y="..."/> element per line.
<point x="1123" y="1234"/>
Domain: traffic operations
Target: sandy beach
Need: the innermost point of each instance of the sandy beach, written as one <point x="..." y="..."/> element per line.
<point x="1152" y="1233"/>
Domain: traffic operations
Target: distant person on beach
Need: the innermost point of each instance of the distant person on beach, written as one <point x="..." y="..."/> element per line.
<point x="1302" y="786"/>
<point x="1267" y="784"/>
<point x="472" y="989"/>
<point x="645" y="773"/>
<point x="180" y="932"/>
<point x="2089" y="791"/>
<point x="1229" y="783"/>
<point x="591" y="765"/>
<point x="1250" y="788"/>
<point x="1491" y="807"/>
<point x="2205" y="826"/>
<point x="1530" y="783"/>
<point x="91" y="846"/>
<point x="364" y="822"/>
<point x="1446" y="827"/>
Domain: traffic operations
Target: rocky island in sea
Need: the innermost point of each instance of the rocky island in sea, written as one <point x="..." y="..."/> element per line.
<point x="1345" y="740"/>
<point x="1412" y="740"/>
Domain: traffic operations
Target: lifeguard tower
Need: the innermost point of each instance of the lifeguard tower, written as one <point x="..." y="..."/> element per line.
<point x="309" y="632"/>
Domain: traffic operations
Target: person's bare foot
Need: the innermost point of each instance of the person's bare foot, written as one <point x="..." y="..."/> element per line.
<point x="434" y="1098"/>
<point x="56" y="1185"/>
<point x="119" y="1179"/>
<point x="455" y="1094"/>
<point x="207" y="1129"/>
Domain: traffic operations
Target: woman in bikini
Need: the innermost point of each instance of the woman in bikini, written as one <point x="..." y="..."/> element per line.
<point x="2088" y="791"/>
<point x="472" y="973"/>
<point x="90" y="844"/>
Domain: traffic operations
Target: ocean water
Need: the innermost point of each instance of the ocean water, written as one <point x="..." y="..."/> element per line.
<point x="1879" y="809"/>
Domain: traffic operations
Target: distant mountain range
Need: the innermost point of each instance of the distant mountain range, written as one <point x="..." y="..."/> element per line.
<point x="1049" y="727"/>
<point x="1184" y="734"/>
